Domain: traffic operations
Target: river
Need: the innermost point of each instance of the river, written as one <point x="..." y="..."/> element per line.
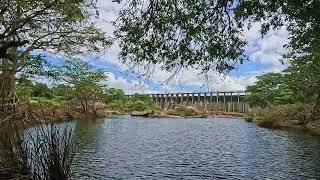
<point x="139" y="148"/>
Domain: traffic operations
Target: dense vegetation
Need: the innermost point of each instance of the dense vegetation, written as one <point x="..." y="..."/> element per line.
<point x="116" y="100"/>
<point x="292" y="94"/>
<point x="77" y="87"/>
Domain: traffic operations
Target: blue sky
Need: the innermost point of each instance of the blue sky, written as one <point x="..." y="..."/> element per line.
<point x="264" y="54"/>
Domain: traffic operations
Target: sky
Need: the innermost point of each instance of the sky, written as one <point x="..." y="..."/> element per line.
<point x="264" y="56"/>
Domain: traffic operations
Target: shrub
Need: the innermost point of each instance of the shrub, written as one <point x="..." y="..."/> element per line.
<point x="138" y="105"/>
<point x="141" y="97"/>
<point x="258" y="111"/>
<point x="249" y="119"/>
<point x="174" y="112"/>
<point x="297" y="111"/>
<point x="44" y="152"/>
<point x="183" y="111"/>
<point x="268" y="122"/>
<point x="117" y="105"/>
<point x="291" y="113"/>
<point x="155" y="107"/>
<point x="272" y="118"/>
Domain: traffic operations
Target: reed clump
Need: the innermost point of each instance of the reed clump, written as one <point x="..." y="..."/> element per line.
<point x="42" y="152"/>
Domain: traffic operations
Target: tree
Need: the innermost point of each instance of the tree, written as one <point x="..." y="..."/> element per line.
<point x="303" y="76"/>
<point x="24" y="89"/>
<point x="180" y="34"/>
<point x="207" y="34"/>
<point x="59" y="26"/>
<point x="141" y="97"/>
<point x="62" y="91"/>
<point x="86" y="83"/>
<point x="141" y="102"/>
<point x="115" y="95"/>
<point x="301" y="17"/>
<point x="42" y="90"/>
<point x="299" y="83"/>
<point x="268" y="90"/>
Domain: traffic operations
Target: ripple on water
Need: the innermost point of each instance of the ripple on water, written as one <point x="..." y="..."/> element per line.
<point x="135" y="148"/>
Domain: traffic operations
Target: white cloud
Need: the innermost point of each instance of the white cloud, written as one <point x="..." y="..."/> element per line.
<point x="236" y="83"/>
<point x="129" y="87"/>
<point x="266" y="50"/>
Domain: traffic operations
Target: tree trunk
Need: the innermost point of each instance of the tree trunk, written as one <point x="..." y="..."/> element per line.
<point x="314" y="112"/>
<point x="86" y="105"/>
<point x="83" y="106"/>
<point x="42" y="110"/>
<point x="316" y="109"/>
<point x="7" y="81"/>
<point x="7" y="77"/>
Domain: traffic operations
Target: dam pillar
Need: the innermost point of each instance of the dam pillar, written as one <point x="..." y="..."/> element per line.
<point x="205" y="101"/>
<point x="158" y="99"/>
<point x="183" y="99"/>
<point x="154" y="97"/>
<point x="176" y="99"/>
<point x="192" y="98"/>
<point x="211" y="101"/>
<point x="170" y="101"/>
<point x="224" y="101"/>
<point x="232" y="107"/>
<point x="217" y="108"/>
<point x="165" y="101"/>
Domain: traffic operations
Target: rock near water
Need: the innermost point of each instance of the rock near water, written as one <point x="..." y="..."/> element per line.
<point x="147" y="113"/>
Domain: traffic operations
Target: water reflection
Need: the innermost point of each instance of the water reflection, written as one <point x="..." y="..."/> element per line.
<point x="140" y="148"/>
<point x="136" y="148"/>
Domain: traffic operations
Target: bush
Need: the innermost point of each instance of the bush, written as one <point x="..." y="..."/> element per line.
<point x="258" y="111"/>
<point x="249" y="119"/>
<point x="174" y="112"/>
<point x="298" y="111"/>
<point x="138" y="106"/>
<point x="44" y="152"/>
<point x="273" y="117"/>
<point x="183" y="111"/>
<point x="117" y="105"/>
<point x="141" y="97"/>
<point x="268" y="122"/>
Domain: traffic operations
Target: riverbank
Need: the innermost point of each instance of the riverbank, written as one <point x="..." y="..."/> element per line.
<point x="24" y="119"/>
<point x="185" y="112"/>
<point x="311" y="128"/>
<point x="33" y="116"/>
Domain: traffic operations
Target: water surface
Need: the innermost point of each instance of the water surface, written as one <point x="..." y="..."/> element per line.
<point x="140" y="148"/>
